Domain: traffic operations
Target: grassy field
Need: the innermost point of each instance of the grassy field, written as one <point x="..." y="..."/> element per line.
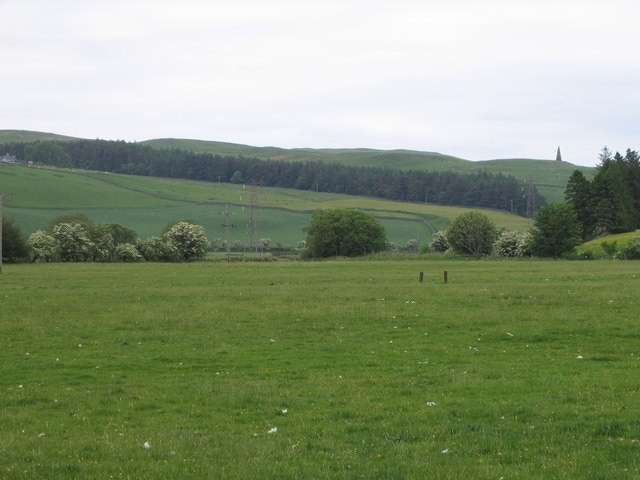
<point x="146" y="204"/>
<point x="337" y="369"/>
<point x="594" y="247"/>
<point x="549" y="176"/>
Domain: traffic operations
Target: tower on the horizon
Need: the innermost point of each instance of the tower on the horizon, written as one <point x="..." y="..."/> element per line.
<point x="558" y="156"/>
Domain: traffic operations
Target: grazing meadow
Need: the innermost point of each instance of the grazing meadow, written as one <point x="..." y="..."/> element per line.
<point x="34" y="196"/>
<point x="338" y="369"/>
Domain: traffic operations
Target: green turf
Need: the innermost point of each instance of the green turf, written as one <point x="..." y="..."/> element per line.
<point x="549" y="176"/>
<point x="36" y="195"/>
<point x="523" y="369"/>
<point x="594" y="247"/>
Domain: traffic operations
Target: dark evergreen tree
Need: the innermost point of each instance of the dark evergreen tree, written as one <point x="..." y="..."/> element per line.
<point x="14" y="243"/>
<point x="481" y="189"/>
<point x="612" y="199"/>
<point x="556" y="230"/>
<point x="610" y="202"/>
<point x="578" y="195"/>
<point x="48" y="153"/>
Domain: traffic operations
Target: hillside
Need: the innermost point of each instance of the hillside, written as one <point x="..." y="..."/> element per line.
<point x="147" y="204"/>
<point x="549" y="176"/>
<point x="10" y="136"/>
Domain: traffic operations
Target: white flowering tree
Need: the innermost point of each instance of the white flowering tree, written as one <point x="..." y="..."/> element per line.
<point x="512" y="244"/>
<point x="127" y="252"/>
<point x="264" y="243"/>
<point x="439" y="242"/>
<point x="189" y="240"/>
<point x="43" y="246"/>
<point x="158" y="249"/>
<point x="72" y="241"/>
<point x="103" y="247"/>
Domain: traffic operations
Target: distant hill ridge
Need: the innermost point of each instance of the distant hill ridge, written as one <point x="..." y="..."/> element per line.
<point x="550" y="176"/>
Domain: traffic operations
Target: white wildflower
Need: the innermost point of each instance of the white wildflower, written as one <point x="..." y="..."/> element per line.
<point x="146" y="445"/>
<point x="273" y="430"/>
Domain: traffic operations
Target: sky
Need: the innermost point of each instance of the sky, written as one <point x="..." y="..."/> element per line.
<point x="479" y="80"/>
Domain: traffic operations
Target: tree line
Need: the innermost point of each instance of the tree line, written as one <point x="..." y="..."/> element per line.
<point x="610" y="201"/>
<point x="479" y="189"/>
<point x="75" y="238"/>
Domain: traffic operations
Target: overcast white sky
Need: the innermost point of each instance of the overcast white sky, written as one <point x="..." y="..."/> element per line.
<point x="475" y="79"/>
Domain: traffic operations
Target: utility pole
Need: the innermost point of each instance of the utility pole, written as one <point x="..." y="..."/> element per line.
<point x="252" y="224"/>
<point x="226" y="225"/>
<point x="531" y="201"/>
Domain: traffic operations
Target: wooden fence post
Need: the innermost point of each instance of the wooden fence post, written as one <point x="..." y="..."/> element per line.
<point x="446" y="276"/>
<point x="421" y="276"/>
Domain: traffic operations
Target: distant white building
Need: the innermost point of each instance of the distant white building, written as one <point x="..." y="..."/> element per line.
<point x="6" y="158"/>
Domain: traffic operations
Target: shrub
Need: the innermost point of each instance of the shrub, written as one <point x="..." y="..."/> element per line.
<point x="72" y="242"/>
<point x="42" y="245"/>
<point x="412" y="244"/>
<point x="157" y="249"/>
<point x="512" y="244"/>
<point x="343" y="232"/>
<point x="439" y="242"/>
<point x="263" y="243"/>
<point x="189" y="239"/>
<point x="127" y="252"/>
<point x="610" y="248"/>
<point x="631" y="251"/>
<point x="472" y="233"/>
<point x="14" y="244"/>
<point x="556" y="231"/>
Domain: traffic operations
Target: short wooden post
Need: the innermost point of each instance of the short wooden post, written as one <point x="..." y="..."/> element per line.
<point x="446" y="276"/>
<point x="421" y="276"/>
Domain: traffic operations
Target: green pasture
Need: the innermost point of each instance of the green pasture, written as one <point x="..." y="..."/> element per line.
<point x="336" y="370"/>
<point x="549" y="176"/>
<point x="594" y="247"/>
<point x="15" y="136"/>
<point x="33" y="196"/>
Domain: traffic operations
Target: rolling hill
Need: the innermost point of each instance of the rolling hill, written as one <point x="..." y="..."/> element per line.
<point x="35" y="195"/>
<point x="549" y="176"/>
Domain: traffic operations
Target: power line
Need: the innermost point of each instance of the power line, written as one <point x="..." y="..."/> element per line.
<point x="252" y="224"/>
<point x="227" y="226"/>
